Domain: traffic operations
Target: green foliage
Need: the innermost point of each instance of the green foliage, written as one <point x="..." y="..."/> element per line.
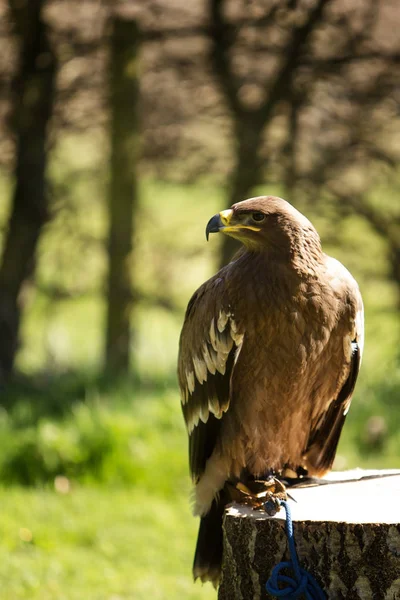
<point x="97" y="440"/>
<point x="371" y="437"/>
<point x="75" y="447"/>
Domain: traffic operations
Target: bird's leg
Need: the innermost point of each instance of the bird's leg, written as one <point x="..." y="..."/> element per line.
<point x="274" y="497"/>
<point x="259" y="494"/>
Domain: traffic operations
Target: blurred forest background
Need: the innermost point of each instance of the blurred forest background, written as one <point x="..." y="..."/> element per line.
<point x="124" y="126"/>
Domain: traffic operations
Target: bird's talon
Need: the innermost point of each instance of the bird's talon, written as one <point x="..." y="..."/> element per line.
<point x="259" y="494"/>
<point x="272" y="506"/>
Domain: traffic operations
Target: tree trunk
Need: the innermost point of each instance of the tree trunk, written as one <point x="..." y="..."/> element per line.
<point x="394" y="257"/>
<point x="347" y="536"/>
<point x="34" y="96"/>
<point x="123" y="191"/>
<point x="246" y="175"/>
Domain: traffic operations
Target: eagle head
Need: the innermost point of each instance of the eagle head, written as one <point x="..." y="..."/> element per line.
<point x="262" y="223"/>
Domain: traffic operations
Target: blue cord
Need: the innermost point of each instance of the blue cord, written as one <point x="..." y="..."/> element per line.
<point x="302" y="583"/>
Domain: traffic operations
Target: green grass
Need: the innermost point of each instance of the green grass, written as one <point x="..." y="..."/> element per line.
<point x="131" y="537"/>
<point x="97" y="544"/>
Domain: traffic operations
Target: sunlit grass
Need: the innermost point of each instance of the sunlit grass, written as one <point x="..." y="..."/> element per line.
<point x="96" y="544"/>
<point x="132" y="536"/>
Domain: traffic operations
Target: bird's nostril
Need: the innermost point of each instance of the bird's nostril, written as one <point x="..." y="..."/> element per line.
<point x="225" y="216"/>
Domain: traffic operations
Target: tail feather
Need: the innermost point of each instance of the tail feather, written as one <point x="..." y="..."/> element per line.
<point x="208" y="556"/>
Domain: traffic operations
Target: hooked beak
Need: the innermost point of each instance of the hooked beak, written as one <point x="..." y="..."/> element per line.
<point x="218" y="222"/>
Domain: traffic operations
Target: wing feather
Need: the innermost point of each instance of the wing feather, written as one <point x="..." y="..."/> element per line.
<point x="210" y="341"/>
<point x="324" y="438"/>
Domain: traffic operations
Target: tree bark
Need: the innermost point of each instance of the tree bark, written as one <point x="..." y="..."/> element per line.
<point x="246" y="175"/>
<point x="34" y="97"/>
<point x="394" y="257"/>
<point x="122" y="204"/>
<point x="347" y="536"/>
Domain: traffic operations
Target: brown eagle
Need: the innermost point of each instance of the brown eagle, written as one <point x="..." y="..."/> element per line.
<point x="269" y="355"/>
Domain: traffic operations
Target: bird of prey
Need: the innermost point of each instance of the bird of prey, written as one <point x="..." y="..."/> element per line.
<point x="269" y="355"/>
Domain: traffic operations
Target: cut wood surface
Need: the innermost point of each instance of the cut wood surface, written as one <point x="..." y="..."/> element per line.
<point x="347" y="536"/>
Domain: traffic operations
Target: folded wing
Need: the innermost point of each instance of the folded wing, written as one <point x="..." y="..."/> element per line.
<point x="209" y="346"/>
<point x="324" y="436"/>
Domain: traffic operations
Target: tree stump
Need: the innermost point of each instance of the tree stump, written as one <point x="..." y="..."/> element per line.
<point x="347" y="536"/>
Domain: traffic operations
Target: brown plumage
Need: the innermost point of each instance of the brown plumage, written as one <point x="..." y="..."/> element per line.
<point x="269" y="355"/>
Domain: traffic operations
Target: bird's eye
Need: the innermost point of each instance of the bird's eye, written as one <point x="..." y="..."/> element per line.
<point x="258" y="216"/>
